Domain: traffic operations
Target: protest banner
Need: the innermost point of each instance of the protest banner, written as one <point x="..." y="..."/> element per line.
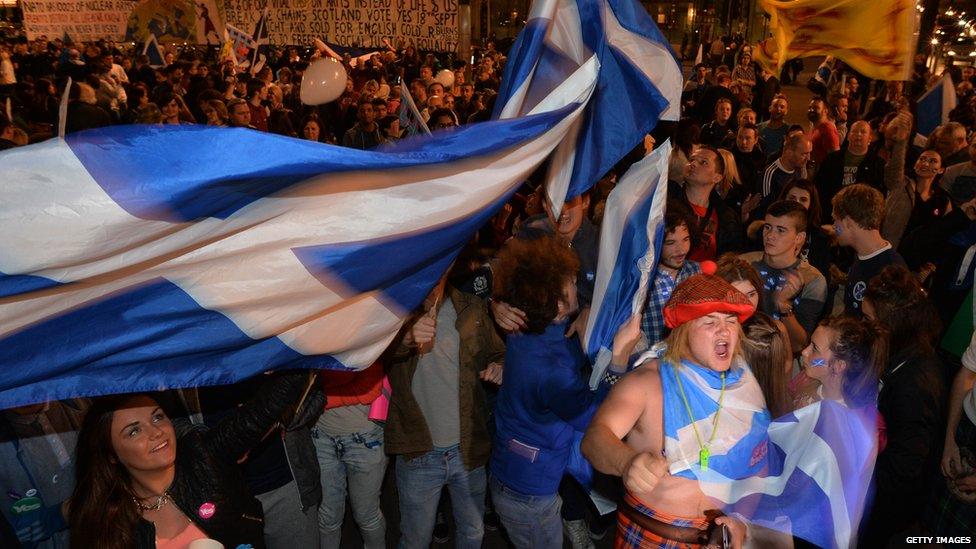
<point x="427" y="24"/>
<point x="81" y="20"/>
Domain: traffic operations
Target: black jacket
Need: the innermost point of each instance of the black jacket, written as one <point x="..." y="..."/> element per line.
<point x="911" y="404"/>
<point x="830" y="175"/>
<point x="730" y="237"/>
<point x="207" y="476"/>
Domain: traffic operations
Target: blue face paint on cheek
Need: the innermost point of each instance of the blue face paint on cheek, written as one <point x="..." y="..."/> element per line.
<point x="818" y="362"/>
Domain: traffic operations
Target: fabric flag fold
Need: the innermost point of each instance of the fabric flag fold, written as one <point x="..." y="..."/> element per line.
<point x="260" y="40"/>
<point x="252" y="253"/>
<point x="142" y="258"/>
<point x="152" y="49"/>
<point x="636" y="61"/>
<point x="241" y="44"/>
<point x="875" y="38"/>
<point x="933" y="107"/>
<point x="630" y="244"/>
<point x="818" y="463"/>
<point x="411" y="121"/>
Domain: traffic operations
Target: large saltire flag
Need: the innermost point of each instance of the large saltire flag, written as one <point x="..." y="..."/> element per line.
<point x="817" y="465"/>
<point x="142" y="258"/>
<point x="874" y="37"/>
<point x="630" y="244"/>
<point x="640" y="83"/>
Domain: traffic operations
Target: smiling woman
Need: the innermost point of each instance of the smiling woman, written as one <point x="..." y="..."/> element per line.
<point x="142" y="482"/>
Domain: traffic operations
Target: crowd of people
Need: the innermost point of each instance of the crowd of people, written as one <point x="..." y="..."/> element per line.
<point x="829" y="261"/>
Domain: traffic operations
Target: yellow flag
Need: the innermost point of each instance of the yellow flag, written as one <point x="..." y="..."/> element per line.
<point x="875" y="37"/>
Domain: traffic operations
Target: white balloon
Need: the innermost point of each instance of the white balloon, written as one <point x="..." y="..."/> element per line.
<point x="446" y="78"/>
<point x="324" y="81"/>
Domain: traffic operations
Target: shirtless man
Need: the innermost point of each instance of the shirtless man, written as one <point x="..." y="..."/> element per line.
<point x="628" y="436"/>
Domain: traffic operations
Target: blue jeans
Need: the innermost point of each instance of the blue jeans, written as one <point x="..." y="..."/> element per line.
<point x="531" y="521"/>
<point x="420" y="481"/>
<point x="355" y="462"/>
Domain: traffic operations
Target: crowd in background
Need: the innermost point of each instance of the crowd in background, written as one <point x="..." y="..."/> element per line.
<point x="844" y="230"/>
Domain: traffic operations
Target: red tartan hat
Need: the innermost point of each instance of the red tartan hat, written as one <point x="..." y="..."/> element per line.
<point x="704" y="294"/>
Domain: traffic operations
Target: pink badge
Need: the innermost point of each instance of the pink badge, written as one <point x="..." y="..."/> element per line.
<point x="207" y="510"/>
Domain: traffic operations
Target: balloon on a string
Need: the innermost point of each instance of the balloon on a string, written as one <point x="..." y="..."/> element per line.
<point x="324" y="81"/>
<point x="446" y="78"/>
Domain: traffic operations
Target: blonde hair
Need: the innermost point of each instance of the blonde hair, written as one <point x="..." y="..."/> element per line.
<point x="731" y="175"/>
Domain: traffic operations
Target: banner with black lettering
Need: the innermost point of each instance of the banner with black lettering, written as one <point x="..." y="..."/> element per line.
<point x="80" y="20"/>
<point x="170" y="21"/>
<point x="426" y="24"/>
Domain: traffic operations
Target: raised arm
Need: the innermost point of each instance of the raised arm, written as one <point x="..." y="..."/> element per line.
<point x="897" y="134"/>
<point x="233" y="437"/>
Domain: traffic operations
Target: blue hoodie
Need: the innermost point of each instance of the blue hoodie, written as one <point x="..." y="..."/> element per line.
<point x="543" y="400"/>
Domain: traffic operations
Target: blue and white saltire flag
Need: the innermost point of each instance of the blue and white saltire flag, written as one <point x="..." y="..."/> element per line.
<point x="806" y="474"/>
<point x="640" y="83"/>
<point x="260" y="40"/>
<point x="241" y="42"/>
<point x="933" y="107"/>
<point x="138" y="258"/>
<point x="411" y="121"/>
<point x="630" y="243"/>
<point x="819" y="462"/>
<point x="154" y="51"/>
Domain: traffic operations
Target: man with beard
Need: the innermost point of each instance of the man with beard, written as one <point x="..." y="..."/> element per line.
<point x="774" y="130"/>
<point x="643" y="433"/>
<point x="822" y="132"/>
<point x="673" y="268"/>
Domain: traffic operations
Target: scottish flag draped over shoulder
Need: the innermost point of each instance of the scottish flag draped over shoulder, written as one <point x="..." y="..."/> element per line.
<point x="142" y="258"/>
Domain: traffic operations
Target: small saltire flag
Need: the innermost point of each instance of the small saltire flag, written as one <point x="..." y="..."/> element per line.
<point x="636" y="61"/>
<point x="630" y="243"/>
<point x="875" y="37"/>
<point x="933" y="107"/>
<point x="411" y="121"/>
<point x="260" y="40"/>
<point x="152" y="48"/>
<point x="242" y="43"/>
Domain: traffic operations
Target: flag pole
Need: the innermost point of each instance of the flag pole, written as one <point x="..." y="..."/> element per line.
<point x="63" y="109"/>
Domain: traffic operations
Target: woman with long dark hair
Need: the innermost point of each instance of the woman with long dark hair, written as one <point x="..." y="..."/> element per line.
<point x="143" y="481"/>
<point x="910" y="401"/>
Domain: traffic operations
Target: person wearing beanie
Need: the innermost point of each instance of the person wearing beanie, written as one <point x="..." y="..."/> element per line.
<point x="700" y="375"/>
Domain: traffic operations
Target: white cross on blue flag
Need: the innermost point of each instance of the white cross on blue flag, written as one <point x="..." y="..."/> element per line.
<point x="140" y="258"/>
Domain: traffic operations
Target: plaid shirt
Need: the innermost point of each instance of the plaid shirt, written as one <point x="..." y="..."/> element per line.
<point x="652" y="322"/>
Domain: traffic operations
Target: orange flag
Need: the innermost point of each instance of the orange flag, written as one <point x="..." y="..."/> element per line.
<point x="875" y="37"/>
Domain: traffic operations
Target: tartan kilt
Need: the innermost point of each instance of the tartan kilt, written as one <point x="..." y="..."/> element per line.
<point x="949" y="516"/>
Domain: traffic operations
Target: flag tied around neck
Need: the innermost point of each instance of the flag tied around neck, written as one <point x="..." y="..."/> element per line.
<point x="140" y="258"/>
